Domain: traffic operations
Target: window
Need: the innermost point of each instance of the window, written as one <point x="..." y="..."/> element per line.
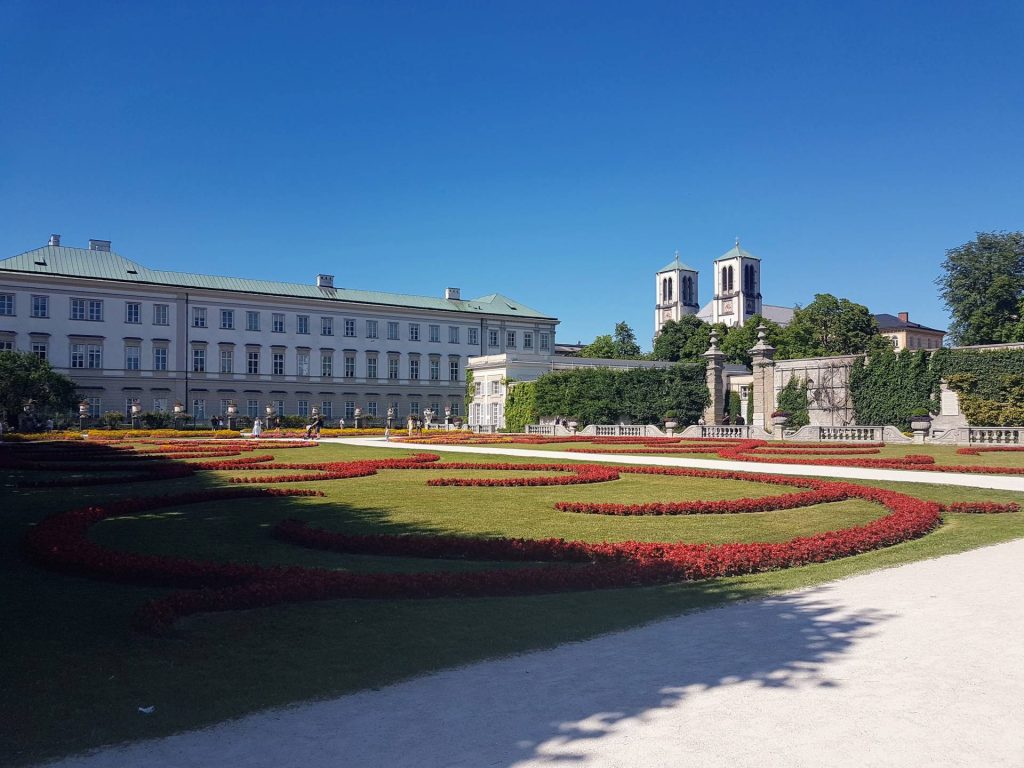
<point x="86" y="356"/>
<point x="350" y="366"/>
<point x="41" y="306"/>
<point x="436" y="408"/>
<point x="455" y="407"/>
<point x="510" y="339"/>
<point x="453" y="334"/>
<point x="77" y="307"/>
<point x="95" y="406"/>
<point x="277" y="363"/>
<point x="40" y="349"/>
<point x="414" y="368"/>
<point x="414" y="331"/>
<point x="371" y="367"/>
<point x="302" y="324"/>
<point x="302" y="363"/>
<point x="252" y="321"/>
<point x="227" y="319"/>
<point x="326" y="364"/>
<point x="435" y="369"/>
<point x="198" y="360"/>
<point x="224" y="406"/>
<point x="492" y="337"/>
<point x="160" y="405"/>
<point x="474" y="336"/>
<point x="252" y="362"/>
<point x="161" y="314"/>
<point x="393" y="368"/>
<point x="494" y="413"/>
<point x="132" y="358"/>
<point x="371" y="407"/>
<point x="495" y="387"/>
<point x="302" y="407"/>
<point x="477" y="387"/>
<point x="252" y="408"/>
<point x="371" y="329"/>
<point x="198" y="317"/>
<point x="326" y="326"/>
<point x="435" y="334"/>
<point x="350" y="327"/>
<point x="350" y="409"/>
<point x="545" y="341"/>
<point x="6" y="345"/>
<point x="132" y="312"/>
<point x="414" y="407"/>
<point x="96" y="310"/>
<point x="327" y="409"/>
<point x="159" y="358"/>
<point x="527" y="340"/>
<point x="453" y="370"/>
<point x="199" y="408"/>
<point x="277" y="322"/>
<point x="227" y="360"/>
<point x="7" y="305"/>
<point x="392" y="331"/>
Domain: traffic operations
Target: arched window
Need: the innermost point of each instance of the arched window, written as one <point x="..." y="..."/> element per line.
<point x="670" y="289"/>
<point x="730" y="281"/>
<point x="725" y="279"/>
<point x="664" y="289"/>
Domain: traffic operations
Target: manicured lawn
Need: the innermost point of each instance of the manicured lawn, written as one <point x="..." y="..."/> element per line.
<point x="73" y="673"/>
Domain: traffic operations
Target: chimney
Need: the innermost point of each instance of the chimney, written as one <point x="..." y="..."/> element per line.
<point x="54" y="241"/>
<point x="452" y="294"/>
<point x="99" y="245"/>
<point x="905" y="317"/>
<point x="325" y="281"/>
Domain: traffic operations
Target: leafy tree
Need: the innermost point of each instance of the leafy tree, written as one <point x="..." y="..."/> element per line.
<point x="23" y="377"/>
<point x="829" y="326"/>
<point x="624" y="341"/>
<point x="685" y="339"/>
<point x="738" y="341"/>
<point x="982" y="285"/>
<point x="602" y="346"/>
<point x="793" y="400"/>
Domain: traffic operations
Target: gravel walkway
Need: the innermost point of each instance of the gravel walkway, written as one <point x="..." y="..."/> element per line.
<point x="920" y="665"/>
<point x="1000" y="482"/>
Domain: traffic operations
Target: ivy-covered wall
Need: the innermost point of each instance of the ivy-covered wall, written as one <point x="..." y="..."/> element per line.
<point x="890" y="386"/>
<point x="521" y="406"/>
<point x="792" y="399"/>
<point x="640" y="396"/>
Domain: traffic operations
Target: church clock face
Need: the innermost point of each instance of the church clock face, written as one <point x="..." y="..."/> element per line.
<point x="666" y="313"/>
<point x="727" y="307"/>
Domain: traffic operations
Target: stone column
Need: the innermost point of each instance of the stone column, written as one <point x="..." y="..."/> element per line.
<point x="714" y="413"/>
<point x="763" y="365"/>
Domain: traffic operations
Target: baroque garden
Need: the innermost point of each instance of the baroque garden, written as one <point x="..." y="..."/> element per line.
<point x="169" y="579"/>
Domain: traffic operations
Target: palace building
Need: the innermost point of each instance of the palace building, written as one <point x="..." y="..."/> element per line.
<point x="127" y="334"/>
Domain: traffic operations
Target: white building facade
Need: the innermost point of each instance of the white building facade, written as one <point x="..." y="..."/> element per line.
<point x="129" y="334"/>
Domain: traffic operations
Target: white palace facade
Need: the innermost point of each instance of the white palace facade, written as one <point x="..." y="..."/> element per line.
<point x="129" y="334"/>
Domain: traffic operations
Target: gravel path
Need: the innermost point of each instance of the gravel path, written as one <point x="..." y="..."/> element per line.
<point x="999" y="482"/>
<point x="921" y="665"/>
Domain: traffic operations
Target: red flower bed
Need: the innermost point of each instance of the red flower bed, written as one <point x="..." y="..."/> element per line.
<point x="980" y="507"/>
<point x="978" y="450"/>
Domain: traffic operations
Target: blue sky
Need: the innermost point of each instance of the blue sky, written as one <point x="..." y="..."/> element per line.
<point x="558" y="152"/>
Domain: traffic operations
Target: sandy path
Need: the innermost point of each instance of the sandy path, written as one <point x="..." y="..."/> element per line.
<point x="999" y="482"/>
<point x="921" y="665"/>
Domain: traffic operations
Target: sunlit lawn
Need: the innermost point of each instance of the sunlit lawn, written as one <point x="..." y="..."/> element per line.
<point x="74" y="673"/>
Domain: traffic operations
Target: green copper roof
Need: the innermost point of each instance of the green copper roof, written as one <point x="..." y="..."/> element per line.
<point x="106" y="265"/>
<point x="674" y="265"/>
<point x="737" y="252"/>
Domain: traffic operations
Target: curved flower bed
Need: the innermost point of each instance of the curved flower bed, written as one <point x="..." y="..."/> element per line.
<point x="980" y="507"/>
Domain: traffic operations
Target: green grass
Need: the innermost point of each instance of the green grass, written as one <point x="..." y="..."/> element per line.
<point x="73" y="673"/>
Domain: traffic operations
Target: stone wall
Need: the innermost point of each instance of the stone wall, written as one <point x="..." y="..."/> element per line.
<point x="828" y="387"/>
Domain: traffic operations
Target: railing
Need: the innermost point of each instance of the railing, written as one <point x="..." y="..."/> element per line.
<point x="738" y="431"/>
<point x="996" y="435"/>
<point x="621" y="430"/>
<point x="851" y="434"/>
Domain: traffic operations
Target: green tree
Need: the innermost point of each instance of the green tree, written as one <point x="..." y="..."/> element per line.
<point x="829" y="326"/>
<point x="23" y="377"/>
<point x="738" y="341"/>
<point x="982" y="285"/>
<point x="793" y="400"/>
<point x="624" y="341"/>
<point x="685" y="339"/>
<point x="602" y="346"/>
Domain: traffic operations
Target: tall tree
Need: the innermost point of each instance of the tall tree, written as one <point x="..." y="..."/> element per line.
<point x="738" y="341"/>
<point x="982" y="285"/>
<point x="602" y="346"/>
<point x="685" y="339"/>
<point x="829" y="326"/>
<point x="23" y="377"/>
<point x="624" y="340"/>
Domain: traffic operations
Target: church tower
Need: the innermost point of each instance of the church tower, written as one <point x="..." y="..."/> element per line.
<point x="737" y="287"/>
<point x="675" y="288"/>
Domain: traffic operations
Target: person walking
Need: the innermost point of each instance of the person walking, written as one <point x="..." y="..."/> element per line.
<point x="318" y="424"/>
<point x="257" y="428"/>
<point x="341" y="423"/>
